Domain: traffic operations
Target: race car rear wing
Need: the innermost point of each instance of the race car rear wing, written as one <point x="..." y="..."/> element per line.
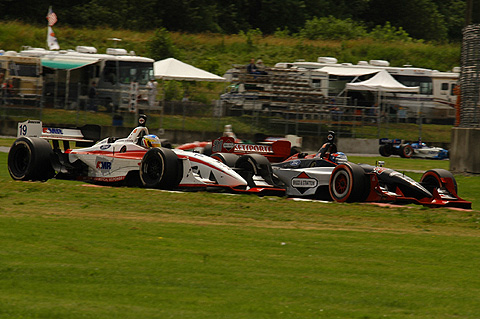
<point x="395" y="141"/>
<point x="83" y="136"/>
<point x="275" y="151"/>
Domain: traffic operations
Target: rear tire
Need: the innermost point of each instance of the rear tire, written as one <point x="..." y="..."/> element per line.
<point x="385" y="150"/>
<point x="30" y="159"/>
<point x="160" y="168"/>
<point x="406" y="151"/>
<point x="348" y="183"/>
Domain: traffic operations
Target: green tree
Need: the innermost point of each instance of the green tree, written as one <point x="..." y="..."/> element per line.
<point x="388" y="32"/>
<point x="419" y="18"/>
<point x="161" y="45"/>
<point x="453" y="12"/>
<point x="332" y="28"/>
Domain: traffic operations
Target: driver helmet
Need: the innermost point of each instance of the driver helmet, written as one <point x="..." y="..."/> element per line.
<point x="150" y="141"/>
<point x="339" y="158"/>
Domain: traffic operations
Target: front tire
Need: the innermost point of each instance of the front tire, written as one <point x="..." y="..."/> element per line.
<point x="348" y="183"/>
<point x="432" y="179"/>
<point x="254" y="164"/>
<point x="228" y="159"/>
<point x="30" y="159"/>
<point x="160" y="168"/>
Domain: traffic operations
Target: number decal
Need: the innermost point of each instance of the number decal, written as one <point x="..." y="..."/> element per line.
<point x="217" y="146"/>
<point x="23" y="130"/>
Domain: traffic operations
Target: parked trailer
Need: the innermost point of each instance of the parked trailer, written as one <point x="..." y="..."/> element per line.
<point x="121" y="77"/>
<point x="20" y="79"/>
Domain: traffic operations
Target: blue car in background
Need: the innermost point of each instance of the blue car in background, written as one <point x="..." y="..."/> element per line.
<point x="418" y="149"/>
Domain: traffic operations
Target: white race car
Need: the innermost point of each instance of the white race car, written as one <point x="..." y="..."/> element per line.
<point x="137" y="160"/>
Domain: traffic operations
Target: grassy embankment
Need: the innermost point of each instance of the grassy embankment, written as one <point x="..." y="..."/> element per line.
<point x="70" y="251"/>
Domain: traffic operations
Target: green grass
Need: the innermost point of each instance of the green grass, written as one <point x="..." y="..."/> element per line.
<point x="217" y="52"/>
<point x="70" y="250"/>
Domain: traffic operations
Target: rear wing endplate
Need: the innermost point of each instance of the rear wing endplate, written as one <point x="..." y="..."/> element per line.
<point x="34" y="128"/>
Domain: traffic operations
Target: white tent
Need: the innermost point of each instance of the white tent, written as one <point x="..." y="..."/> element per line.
<point x="173" y="69"/>
<point x="382" y="82"/>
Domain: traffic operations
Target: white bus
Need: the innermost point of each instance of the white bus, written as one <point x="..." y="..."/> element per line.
<point x="118" y="75"/>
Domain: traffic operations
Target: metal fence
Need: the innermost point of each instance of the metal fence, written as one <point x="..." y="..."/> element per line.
<point x="303" y="119"/>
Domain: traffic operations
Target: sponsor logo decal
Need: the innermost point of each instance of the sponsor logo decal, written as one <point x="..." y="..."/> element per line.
<point x="223" y="144"/>
<point x="303" y="182"/>
<point x="253" y="148"/>
<point x="105" y="147"/>
<point x="104" y="165"/>
<point x="48" y="130"/>
<point x="228" y="145"/>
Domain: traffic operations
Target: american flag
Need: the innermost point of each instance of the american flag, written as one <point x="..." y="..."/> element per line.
<point x="51" y="17"/>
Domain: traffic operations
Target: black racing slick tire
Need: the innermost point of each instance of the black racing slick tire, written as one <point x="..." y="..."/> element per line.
<point x="348" y="183"/>
<point x="406" y="151"/>
<point x="254" y="164"/>
<point x="228" y="159"/>
<point x="30" y="159"/>
<point x="385" y="150"/>
<point x="433" y="179"/>
<point x="160" y="168"/>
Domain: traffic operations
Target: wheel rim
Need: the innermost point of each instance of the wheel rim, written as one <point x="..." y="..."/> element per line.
<point x="21" y="160"/>
<point x="408" y="151"/>
<point x="153" y="169"/>
<point x="341" y="184"/>
<point x="431" y="182"/>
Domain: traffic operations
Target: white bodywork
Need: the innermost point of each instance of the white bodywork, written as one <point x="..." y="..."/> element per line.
<point x="301" y="182"/>
<point x="111" y="160"/>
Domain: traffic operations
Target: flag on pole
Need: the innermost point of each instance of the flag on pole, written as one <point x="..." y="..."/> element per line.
<point x="51" y="17"/>
<point x="52" y="40"/>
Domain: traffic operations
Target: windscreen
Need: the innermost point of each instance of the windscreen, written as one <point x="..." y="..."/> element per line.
<point x="425" y="83"/>
<point x="129" y="72"/>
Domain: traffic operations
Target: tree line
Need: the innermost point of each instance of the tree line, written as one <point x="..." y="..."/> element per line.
<point x="431" y="20"/>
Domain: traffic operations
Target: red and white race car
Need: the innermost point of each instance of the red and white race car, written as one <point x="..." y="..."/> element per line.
<point x="137" y="160"/>
<point x="275" y="149"/>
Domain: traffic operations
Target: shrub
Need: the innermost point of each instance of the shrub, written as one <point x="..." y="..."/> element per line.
<point x="329" y="28"/>
<point x="389" y="33"/>
<point x="161" y="46"/>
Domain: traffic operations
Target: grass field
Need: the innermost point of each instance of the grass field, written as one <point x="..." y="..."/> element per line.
<point x="73" y="250"/>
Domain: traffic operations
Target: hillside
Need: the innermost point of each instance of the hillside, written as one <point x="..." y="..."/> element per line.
<point x="217" y="52"/>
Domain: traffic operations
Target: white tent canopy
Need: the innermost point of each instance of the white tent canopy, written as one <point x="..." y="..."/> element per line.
<point x="382" y="82"/>
<point x="173" y="69"/>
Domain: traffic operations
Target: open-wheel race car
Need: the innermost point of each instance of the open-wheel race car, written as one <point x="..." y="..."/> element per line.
<point x="275" y="149"/>
<point x="137" y="160"/>
<point x="329" y="175"/>
<point x="418" y="149"/>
